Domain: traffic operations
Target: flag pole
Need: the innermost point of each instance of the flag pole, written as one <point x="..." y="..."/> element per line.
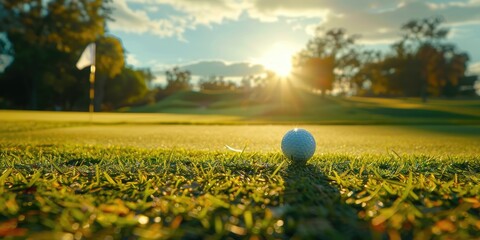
<point x="92" y="90"/>
<point x="88" y="59"/>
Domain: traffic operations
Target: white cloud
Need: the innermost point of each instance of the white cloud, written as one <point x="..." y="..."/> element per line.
<point x="214" y="67"/>
<point x="152" y="9"/>
<point x="138" y="21"/>
<point x="223" y="68"/>
<point x="474" y="68"/>
<point x="188" y="15"/>
<point x="377" y="20"/>
<point x="206" y="11"/>
<point x="271" y="10"/>
<point x="132" y="60"/>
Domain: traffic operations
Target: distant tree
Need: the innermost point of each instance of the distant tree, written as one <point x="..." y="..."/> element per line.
<point x="148" y="76"/>
<point x="5" y="48"/>
<point x="456" y="66"/>
<point x="371" y="69"/>
<point x="329" y="58"/>
<point x="391" y="74"/>
<point x="46" y="39"/>
<point x="216" y="83"/>
<point x="126" y="88"/>
<point x="444" y="67"/>
<point x="246" y="83"/>
<point x="259" y="81"/>
<point x="320" y="73"/>
<point x="439" y="64"/>
<point x="177" y="80"/>
<point x="266" y="87"/>
<point x="421" y="63"/>
<point x="109" y="63"/>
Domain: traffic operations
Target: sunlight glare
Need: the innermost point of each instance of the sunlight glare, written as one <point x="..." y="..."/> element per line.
<point x="279" y="58"/>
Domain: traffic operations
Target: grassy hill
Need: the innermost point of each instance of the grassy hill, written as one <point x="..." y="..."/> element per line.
<point x="304" y="107"/>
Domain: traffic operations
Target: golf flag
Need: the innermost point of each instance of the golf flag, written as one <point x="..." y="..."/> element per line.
<point x="87" y="58"/>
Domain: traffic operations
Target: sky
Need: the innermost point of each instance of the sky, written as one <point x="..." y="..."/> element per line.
<point x="233" y="37"/>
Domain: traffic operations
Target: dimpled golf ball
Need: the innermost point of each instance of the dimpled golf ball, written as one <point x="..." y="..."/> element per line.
<point x="298" y="145"/>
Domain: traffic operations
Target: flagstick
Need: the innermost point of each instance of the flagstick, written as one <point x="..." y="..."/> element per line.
<point x="92" y="91"/>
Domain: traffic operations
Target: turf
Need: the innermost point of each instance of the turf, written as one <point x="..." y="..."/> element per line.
<point x="109" y="179"/>
<point x="299" y="106"/>
<point x="95" y="192"/>
<point x="436" y="140"/>
<point x="302" y="109"/>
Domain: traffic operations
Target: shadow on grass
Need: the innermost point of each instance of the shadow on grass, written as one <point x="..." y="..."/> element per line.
<point x="314" y="208"/>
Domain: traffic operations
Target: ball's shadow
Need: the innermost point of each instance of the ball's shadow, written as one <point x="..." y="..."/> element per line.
<point x="313" y="208"/>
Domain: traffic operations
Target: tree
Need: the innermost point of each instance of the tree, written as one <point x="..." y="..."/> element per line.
<point x="320" y="73"/>
<point x="369" y="78"/>
<point x="46" y="39"/>
<point x="329" y="58"/>
<point x="419" y="64"/>
<point x="148" y="76"/>
<point x="439" y="64"/>
<point x="177" y="80"/>
<point x="125" y="88"/>
<point x="110" y="61"/>
<point x="216" y="83"/>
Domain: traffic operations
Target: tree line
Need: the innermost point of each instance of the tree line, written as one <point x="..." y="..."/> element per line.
<point x="422" y="63"/>
<point x="45" y="39"/>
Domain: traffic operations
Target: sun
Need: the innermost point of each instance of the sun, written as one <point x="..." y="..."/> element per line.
<point x="278" y="58"/>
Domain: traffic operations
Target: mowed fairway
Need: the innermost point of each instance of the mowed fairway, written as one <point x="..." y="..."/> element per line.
<point x="74" y="179"/>
<point x="441" y="141"/>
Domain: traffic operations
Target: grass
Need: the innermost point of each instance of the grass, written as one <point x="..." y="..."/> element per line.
<point x="437" y="140"/>
<point x="44" y="118"/>
<point x="95" y="192"/>
<point x="169" y="176"/>
<point x="298" y="106"/>
<point x="303" y="109"/>
<point x="111" y="178"/>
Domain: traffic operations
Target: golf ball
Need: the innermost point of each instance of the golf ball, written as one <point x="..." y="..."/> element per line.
<point x="298" y="145"/>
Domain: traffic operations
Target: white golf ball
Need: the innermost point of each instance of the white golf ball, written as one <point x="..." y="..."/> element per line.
<point x="298" y="145"/>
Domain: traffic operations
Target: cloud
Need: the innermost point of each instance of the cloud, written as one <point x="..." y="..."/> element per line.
<point x="216" y="68"/>
<point x="272" y="10"/>
<point x="138" y="21"/>
<point x="206" y="12"/>
<point x="152" y="9"/>
<point x="221" y="68"/>
<point x="132" y="60"/>
<point x="474" y="68"/>
<point x="377" y="21"/>
<point x="187" y="15"/>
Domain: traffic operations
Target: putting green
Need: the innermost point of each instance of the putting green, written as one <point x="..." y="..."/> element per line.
<point x="436" y="140"/>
